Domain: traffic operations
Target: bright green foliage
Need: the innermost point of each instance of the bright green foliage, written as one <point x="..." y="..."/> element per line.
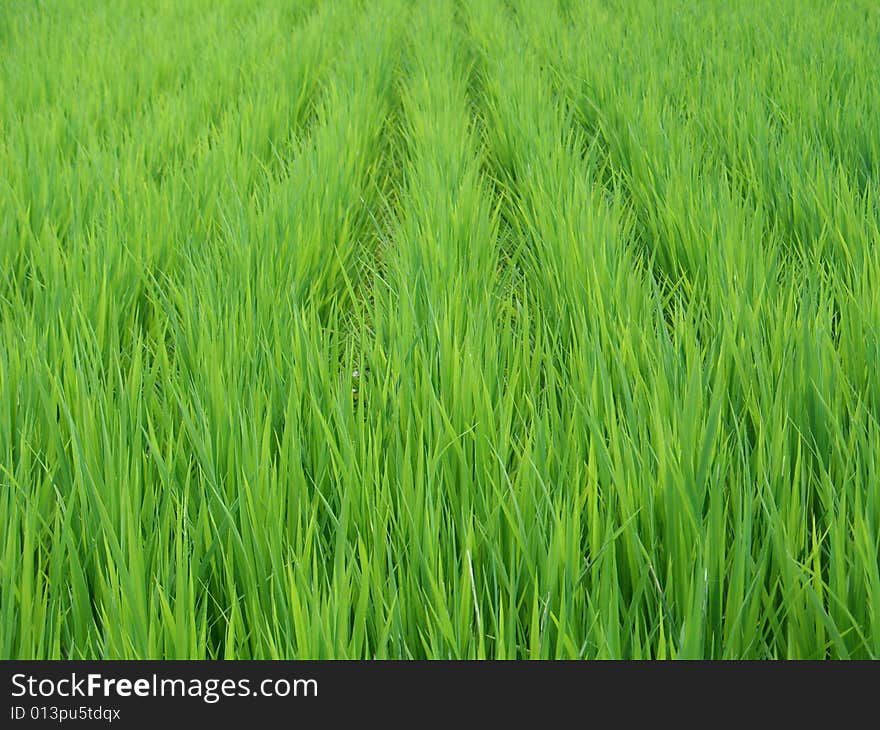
<point x="437" y="328"/>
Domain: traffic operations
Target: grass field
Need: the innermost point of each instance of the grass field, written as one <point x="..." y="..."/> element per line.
<point x="434" y="329"/>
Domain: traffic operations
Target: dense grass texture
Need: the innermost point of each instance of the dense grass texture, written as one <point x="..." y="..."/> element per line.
<point x="437" y="329"/>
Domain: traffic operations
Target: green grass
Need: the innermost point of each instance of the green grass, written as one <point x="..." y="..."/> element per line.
<point x="436" y="329"/>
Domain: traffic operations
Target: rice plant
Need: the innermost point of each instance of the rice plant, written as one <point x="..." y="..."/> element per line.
<point x="515" y="329"/>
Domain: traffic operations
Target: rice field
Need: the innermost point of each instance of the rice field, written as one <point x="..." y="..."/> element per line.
<point x="434" y="329"/>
